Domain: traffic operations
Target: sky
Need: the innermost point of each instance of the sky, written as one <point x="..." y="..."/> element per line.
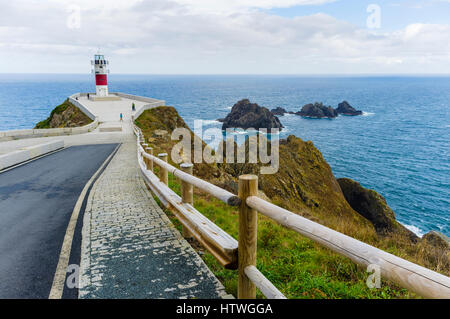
<point x="227" y="36"/>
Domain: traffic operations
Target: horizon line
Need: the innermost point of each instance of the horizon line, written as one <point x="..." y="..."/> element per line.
<point x="247" y="74"/>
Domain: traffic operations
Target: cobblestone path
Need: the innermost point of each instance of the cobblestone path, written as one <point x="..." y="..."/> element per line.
<point x="130" y="249"/>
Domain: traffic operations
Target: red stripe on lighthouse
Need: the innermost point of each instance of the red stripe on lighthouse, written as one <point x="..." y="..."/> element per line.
<point x="100" y="79"/>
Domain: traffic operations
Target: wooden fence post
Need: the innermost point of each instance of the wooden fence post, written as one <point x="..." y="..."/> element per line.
<point x="248" y="224"/>
<point x="187" y="192"/>
<point x="149" y="162"/>
<point x="163" y="173"/>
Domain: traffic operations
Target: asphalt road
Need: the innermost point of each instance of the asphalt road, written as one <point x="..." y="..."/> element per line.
<point x="36" y="203"/>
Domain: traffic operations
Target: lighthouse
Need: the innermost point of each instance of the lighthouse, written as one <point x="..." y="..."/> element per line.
<point x="100" y="70"/>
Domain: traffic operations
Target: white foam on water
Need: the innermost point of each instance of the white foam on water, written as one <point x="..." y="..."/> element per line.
<point x="367" y="113"/>
<point x="415" y="230"/>
<point x="209" y="122"/>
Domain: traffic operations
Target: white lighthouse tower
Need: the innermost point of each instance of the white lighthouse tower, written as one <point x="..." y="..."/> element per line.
<point x="100" y="70"/>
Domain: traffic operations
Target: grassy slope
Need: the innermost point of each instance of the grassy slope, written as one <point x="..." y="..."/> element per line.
<point x="296" y="265"/>
<point x="60" y="109"/>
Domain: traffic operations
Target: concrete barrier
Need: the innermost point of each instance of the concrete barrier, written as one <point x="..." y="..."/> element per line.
<point x="28" y="153"/>
<point x="151" y="102"/>
<point x="137" y="97"/>
<point x="111" y="128"/>
<point x="30" y="133"/>
<point x="83" y="108"/>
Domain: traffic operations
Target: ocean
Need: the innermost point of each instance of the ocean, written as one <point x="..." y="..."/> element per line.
<point x="400" y="147"/>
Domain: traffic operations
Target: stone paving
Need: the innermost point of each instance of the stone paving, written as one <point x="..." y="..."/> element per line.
<point x="130" y="249"/>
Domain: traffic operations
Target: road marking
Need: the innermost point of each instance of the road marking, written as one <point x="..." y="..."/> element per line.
<point x="57" y="289"/>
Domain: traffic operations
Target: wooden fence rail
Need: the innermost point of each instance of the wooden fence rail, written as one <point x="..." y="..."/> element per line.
<point x="421" y="280"/>
<point x="226" y="250"/>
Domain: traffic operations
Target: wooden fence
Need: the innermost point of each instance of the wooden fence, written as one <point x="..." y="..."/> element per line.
<point x="241" y="254"/>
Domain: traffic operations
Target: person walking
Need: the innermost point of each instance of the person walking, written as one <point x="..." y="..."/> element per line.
<point x="121" y="117"/>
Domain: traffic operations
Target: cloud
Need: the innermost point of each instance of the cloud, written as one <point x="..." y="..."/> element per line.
<point x="187" y="36"/>
<point x="232" y="6"/>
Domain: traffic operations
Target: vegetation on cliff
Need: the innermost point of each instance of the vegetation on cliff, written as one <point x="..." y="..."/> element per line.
<point x="305" y="185"/>
<point x="64" y="115"/>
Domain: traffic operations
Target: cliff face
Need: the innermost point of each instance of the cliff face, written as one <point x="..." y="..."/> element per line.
<point x="372" y="206"/>
<point x="65" y="115"/>
<point x="157" y="125"/>
<point x="305" y="184"/>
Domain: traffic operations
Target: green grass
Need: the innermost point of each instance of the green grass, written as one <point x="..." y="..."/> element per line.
<point x="298" y="267"/>
<point x="58" y="110"/>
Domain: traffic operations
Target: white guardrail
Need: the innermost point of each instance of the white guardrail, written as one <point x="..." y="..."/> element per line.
<point x="31" y="133"/>
<point x="151" y="103"/>
<point x="28" y="153"/>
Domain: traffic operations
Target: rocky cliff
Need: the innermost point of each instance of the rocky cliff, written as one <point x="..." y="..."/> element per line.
<point x="317" y="110"/>
<point x="65" y="115"/>
<point x="306" y="185"/>
<point x="250" y="115"/>
<point x="373" y="207"/>
<point x="278" y="111"/>
<point x="346" y="109"/>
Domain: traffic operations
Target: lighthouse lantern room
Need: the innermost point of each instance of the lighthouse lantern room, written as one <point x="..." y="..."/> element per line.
<point x="100" y="70"/>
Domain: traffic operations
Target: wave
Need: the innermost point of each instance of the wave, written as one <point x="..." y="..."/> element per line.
<point x="416" y="230"/>
<point x="210" y="122"/>
<point x="367" y="113"/>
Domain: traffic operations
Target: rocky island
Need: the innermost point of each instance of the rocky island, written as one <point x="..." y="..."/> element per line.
<point x="278" y="111"/>
<point x="346" y="109"/>
<point x="250" y="115"/>
<point x="319" y="110"/>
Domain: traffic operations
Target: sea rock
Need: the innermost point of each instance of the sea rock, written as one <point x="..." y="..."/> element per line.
<point x="346" y="109"/>
<point x="317" y="110"/>
<point x="250" y="115"/>
<point x="278" y="111"/>
<point x="437" y="239"/>
<point x="372" y="206"/>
